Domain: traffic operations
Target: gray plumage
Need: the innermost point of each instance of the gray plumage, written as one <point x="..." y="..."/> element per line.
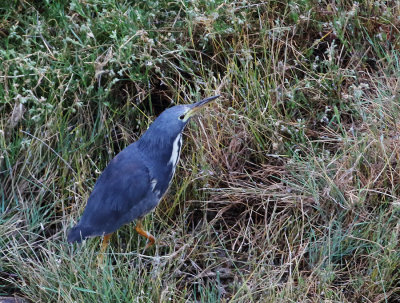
<point x="136" y="179"/>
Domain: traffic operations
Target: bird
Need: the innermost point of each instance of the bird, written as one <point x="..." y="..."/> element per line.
<point x="136" y="179"/>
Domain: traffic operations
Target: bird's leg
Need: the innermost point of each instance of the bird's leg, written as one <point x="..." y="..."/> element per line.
<point x="104" y="244"/>
<point x="145" y="234"/>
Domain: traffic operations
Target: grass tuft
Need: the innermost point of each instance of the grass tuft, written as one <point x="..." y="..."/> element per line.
<point x="287" y="189"/>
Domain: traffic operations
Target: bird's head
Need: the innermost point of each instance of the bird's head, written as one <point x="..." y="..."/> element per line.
<point x="183" y="113"/>
<point x="173" y="120"/>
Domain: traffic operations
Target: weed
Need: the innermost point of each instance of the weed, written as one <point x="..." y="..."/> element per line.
<point x="287" y="190"/>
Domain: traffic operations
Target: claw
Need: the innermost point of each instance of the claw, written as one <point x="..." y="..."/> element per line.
<point x="139" y="229"/>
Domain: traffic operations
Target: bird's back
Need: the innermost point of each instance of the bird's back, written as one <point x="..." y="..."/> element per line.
<point x="122" y="193"/>
<point x="130" y="186"/>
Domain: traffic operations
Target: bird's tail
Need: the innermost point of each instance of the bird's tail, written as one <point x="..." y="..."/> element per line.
<point x="76" y="234"/>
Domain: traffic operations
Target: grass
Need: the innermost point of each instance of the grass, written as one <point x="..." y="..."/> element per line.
<point x="287" y="189"/>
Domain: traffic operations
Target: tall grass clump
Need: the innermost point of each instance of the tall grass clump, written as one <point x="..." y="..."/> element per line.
<point x="287" y="189"/>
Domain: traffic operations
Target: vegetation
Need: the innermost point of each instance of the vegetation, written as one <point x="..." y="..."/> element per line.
<point x="287" y="189"/>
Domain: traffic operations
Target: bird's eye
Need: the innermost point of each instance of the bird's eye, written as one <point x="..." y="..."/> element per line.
<point x="182" y="117"/>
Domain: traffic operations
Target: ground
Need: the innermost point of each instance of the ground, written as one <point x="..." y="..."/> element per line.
<point x="288" y="186"/>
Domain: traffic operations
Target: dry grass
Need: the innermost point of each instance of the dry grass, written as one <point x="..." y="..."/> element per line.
<point x="287" y="190"/>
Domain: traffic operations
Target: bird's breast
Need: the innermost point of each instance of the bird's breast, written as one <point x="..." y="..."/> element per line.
<point x="161" y="161"/>
<point x="176" y="150"/>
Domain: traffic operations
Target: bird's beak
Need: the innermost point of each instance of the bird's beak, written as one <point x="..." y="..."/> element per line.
<point x="194" y="108"/>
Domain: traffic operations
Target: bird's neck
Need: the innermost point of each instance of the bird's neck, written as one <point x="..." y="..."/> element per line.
<point x="162" y="149"/>
<point x="162" y="155"/>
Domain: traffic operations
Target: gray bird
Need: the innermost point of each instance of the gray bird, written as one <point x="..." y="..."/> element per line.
<point x="134" y="182"/>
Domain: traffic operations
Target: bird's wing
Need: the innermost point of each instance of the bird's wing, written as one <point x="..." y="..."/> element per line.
<point x="121" y="187"/>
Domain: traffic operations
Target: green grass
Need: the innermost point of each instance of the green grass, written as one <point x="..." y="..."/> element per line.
<point x="288" y="186"/>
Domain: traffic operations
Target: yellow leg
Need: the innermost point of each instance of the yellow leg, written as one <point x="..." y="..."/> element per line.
<point x="104" y="244"/>
<point x="106" y="240"/>
<point x="145" y="234"/>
